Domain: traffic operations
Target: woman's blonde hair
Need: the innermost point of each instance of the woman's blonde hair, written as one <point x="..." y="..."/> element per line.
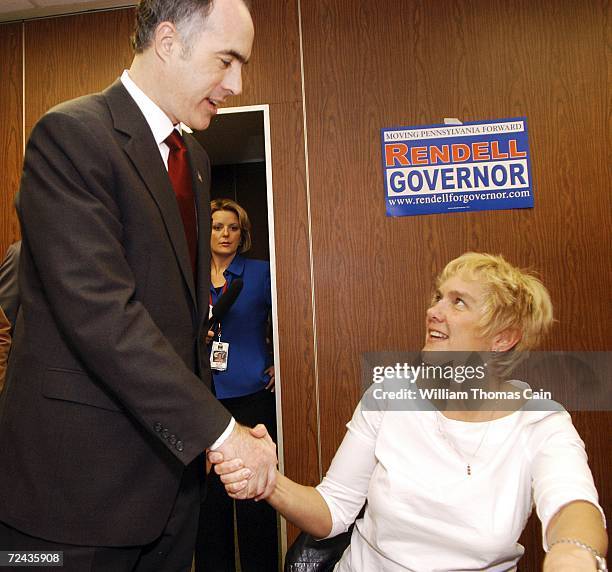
<point x="515" y="298"/>
<point x="243" y="220"/>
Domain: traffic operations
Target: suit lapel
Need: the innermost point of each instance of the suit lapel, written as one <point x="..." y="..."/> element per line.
<point x="143" y="151"/>
<point x="201" y="189"/>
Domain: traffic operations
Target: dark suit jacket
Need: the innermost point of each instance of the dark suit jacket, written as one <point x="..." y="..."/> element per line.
<point x="102" y="409"/>
<point x="9" y="287"/>
<point x="5" y="345"/>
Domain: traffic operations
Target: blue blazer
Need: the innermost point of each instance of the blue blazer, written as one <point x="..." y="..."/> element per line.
<point x="245" y="328"/>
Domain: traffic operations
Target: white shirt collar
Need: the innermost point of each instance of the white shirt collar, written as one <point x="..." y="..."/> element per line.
<point x="158" y="121"/>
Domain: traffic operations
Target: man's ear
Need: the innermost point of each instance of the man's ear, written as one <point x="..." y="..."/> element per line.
<point x="165" y="40"/>
<point x="506" y="339"/>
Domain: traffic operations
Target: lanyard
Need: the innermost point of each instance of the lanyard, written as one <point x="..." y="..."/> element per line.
<point x="210" y="302"/>
<point x="223" y="291"/>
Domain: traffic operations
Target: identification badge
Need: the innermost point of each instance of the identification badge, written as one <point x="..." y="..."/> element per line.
<point x="218" y="356"/>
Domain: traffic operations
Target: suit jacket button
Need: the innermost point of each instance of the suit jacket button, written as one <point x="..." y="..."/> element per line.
<point x="179" y="446"/>
<point x="157" y="427"/>
<point x="172" y="439"/>
<point x="165" y="433"/>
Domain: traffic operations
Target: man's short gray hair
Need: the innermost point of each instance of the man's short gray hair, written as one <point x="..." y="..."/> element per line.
<point x="188" y="16"/>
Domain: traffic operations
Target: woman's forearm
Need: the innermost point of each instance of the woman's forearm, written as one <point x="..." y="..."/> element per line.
<point x="302" y="506"/>
<point x="579" y="521"/>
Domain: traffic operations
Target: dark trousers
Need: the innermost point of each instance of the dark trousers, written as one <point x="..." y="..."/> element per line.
<point x="171" y="552"/>
<point x="257" y="529"/>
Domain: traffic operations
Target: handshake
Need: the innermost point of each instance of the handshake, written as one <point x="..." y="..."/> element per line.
<point x="246" y="463"/>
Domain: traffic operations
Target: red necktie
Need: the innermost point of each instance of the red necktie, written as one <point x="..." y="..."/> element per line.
<point x="180" y="176"/>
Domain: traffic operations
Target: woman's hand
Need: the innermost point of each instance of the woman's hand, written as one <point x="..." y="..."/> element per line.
<point x="270" y="372"/>
<point x="564" y="557"/>
<point x="209" y="336"/>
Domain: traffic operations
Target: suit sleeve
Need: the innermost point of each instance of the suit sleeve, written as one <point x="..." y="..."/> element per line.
<point x="72" y="223"/>
<point x="5" y="345"/>
<point x="9" y="287"/>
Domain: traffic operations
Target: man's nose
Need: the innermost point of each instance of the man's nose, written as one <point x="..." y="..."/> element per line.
<point x="233" y="79"/>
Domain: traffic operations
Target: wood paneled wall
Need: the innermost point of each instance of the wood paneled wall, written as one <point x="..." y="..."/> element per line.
<point x="371" y="65"/>
<point x="11" y="129"/>
<point x="382" y="64"/>
<point x="73" y="56"/>
<point x="368" y="65"/>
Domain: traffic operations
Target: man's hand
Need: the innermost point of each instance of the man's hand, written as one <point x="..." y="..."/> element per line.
<point x="250" y="471"/>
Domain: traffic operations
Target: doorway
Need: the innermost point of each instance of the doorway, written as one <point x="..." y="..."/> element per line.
<point x="238" y="145"/>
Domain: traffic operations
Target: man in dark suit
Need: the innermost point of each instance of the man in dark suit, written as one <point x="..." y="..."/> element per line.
<point x="5" y="345"/>
<point x="9" y="303"/>
<point x="9" y="287"/>
<point x="107" y="409"/>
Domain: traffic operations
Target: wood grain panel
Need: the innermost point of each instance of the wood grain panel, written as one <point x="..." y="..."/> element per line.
<point x="295" y="326"/>
<point x="273" y="74"/>
<point x="11" y="139"/>
<point x="393" y="260"/>
<point x="72" y="56"/>
<point x="372" y="65"/>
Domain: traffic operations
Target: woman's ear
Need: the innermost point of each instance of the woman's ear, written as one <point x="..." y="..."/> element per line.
<point x="506" y="339"/>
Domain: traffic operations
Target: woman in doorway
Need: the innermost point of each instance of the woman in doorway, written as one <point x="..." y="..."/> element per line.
<point x="451" y="488"/>
<point x="244" y="382"/>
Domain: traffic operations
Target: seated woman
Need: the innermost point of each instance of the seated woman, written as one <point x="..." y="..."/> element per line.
<point x="452" y="489"/>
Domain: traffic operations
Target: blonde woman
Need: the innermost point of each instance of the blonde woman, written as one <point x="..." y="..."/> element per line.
<point x="452" y="489"/>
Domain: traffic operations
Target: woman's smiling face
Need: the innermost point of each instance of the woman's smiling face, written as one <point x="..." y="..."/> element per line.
<point x="453" y="319"/>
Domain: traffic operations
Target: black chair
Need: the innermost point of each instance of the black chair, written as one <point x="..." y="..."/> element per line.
<point x="309" y="555"/>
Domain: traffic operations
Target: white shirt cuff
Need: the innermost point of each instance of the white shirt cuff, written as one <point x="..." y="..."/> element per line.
<point x="224" y="435"/>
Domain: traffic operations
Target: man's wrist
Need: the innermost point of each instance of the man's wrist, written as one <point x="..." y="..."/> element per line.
<point x="223" y="437"/>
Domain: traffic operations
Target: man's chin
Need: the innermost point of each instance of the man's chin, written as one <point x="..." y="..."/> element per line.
<point x="199" y="123"/>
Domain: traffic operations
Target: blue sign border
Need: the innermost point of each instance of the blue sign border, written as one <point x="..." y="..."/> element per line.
<point x="452" y="199"/>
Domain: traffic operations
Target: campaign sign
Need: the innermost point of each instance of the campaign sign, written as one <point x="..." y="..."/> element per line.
<point x="476" y="166"/>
